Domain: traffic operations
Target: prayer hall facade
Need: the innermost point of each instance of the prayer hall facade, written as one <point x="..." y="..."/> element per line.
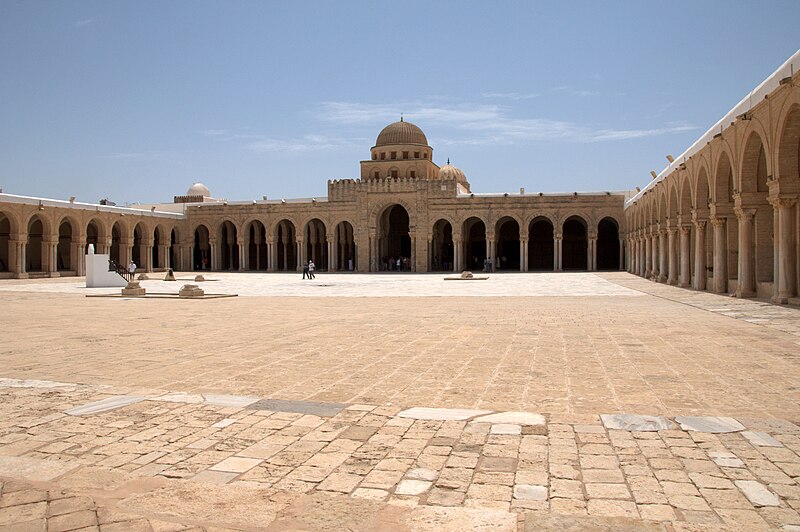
<point x="723" y="217"/>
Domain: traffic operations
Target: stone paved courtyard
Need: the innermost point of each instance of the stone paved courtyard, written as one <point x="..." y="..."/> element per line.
<point x="397" y="402"/>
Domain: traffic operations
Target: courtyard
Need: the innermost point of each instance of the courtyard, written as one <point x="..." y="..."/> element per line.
<point x="397" y="402"/>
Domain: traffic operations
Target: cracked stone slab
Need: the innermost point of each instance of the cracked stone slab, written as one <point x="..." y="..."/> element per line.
<point x="714" y="425"/>
<point x="757" y="493"/>
<point x="442" y="414"/>
<point x="636" y="423"/>
<point x="513" y="418"/>
<point x="234" y="401"/>
<point x="104" y="405"/>
<point x="299" y="407"/>
<point x="761" y="439"/>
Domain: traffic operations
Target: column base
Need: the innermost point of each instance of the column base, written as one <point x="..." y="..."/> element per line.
<point x="684" y="285"/>
<point x="23" y="275"/>
<point x="780" y="300"/>
<point x="662" y="278"/>
<point x="744" y="295"/>
<point x="673" y="282"/>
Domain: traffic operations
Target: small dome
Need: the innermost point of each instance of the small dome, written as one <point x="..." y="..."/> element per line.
<point x="449" y="171"/>
<point x="199" y="189"/>
<point x="401" y="133"/>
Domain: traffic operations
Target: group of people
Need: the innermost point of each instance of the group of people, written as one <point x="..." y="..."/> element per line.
<point x="399" y="264"/>
<point x="308" y="269"/>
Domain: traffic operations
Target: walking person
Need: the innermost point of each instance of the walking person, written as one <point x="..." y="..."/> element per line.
<point x="131" y="270"/>
<point x="311" y="268"/>
<point x="306" y="272"/>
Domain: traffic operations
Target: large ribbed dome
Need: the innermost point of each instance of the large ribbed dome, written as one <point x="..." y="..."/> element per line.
<point x="401" y="133"/>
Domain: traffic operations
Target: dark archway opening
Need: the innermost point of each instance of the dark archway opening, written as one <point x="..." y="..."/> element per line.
<point x="607" y="245"/>
<point x="540" y="246"/>
<point x="442" y="246"/>
<point x="202" y="249"/>
<point x="508" y="246"/>
<point x="575" y="245"/>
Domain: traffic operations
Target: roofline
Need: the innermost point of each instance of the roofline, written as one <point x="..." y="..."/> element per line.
<point x="756" y="95"/>
<point x="64" y="204"/>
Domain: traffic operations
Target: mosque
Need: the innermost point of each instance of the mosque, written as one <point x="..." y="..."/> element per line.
<point x="723" y="217"/>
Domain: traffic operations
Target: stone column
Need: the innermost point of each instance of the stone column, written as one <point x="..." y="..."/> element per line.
<point x="686" y="272"/>
<point x="745" y="281"/>
<point x="524" y="260"/>
<point x="333" y="253"/>
<point x="622" y="244"/>
<point x="457" y="254"/>
<point x="700" y="255"/>
<point x="557" y="239"/>
<point x="78" y="253"/>
<point x="272" y="258"/>
<point x="654" y="271"/>
<point x="648" y="255"/>
<point x="301" y="255"/>
<point x="672" y="277"/>
<point x="591" y="258"/>
<point x="49" y="257"/>
<point x="241" y="249"/>
<point x="720" y="257"/>
<point x="642" y="254"/>
<point x="785" y="276"/>
<point x="662" y="256"/>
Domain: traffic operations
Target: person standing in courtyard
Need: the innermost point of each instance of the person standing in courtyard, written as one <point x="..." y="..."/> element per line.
<point x="131" y="270"/>
<point x="305" y="270"/>
<point x="311" y="268"/>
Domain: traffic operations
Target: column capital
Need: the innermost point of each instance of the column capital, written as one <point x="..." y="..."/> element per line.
<point x="744" y="214"/>
<point x="240" y="240"/>
<point x="557" y="235"/>
<point x="782" y="202"/>
<point x="700" y="224"/>
<point x="685" y="229"/>
<point x="717" y="221"/>
<point x="699" y="216"/>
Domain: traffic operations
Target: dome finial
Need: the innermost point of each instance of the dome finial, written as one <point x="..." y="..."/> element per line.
<point x="448" y="160"/>
<point x="401" y="117"/>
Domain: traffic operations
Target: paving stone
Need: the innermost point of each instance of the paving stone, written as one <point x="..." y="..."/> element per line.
<point x="412" y="487"/>
<point x="761" y="439"/>
<point x="423" y="474"/>
<point x="104" y="405"/>
<point x="340" y="482"/>
<point x="514" y="418"/>
<point x="371" y="494"/>
<point x="230" y="401"/>
<point x="445" y="497"/>
<point x="529" y="492"/>
<point x="757" y="493"/>
<point x="298" y="407"/>
<point x="215" y="477"/>
<point x="506" y="428"/>
<point x="726" y="459"/>
<point x="714" y="425"/>
<point x="236" y="464"/>
<point x="636" y="423"/>
<point x="442" y="414"/>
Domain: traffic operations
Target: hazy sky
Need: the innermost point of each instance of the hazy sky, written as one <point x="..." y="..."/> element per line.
<point x="134" y="101"/>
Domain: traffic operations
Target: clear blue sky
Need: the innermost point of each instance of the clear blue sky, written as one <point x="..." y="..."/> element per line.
<point x="136" y="100"/>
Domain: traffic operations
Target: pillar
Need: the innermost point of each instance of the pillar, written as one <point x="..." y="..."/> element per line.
<point x="785" y="274"/>
<point x="333" y="253"/>
<point x="524" y="259"/>
<point x="662" y="256"/>
<point x="700" y="255"/>
<point x="720" y="256"/>
<point x="622" y="244"/>
<point x="686" y="273"/>
<point x="557" y="239"/>
<point x="672" y="277"/>
<point x="746" y="282"/>
<point x="591" y="257"/>
<point x="242" y="253"/>
<point x="648" y="255"/>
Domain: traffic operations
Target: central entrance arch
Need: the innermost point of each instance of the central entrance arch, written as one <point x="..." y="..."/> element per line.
<point x="394" y="241"/>
<point x="575" y="244"/>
